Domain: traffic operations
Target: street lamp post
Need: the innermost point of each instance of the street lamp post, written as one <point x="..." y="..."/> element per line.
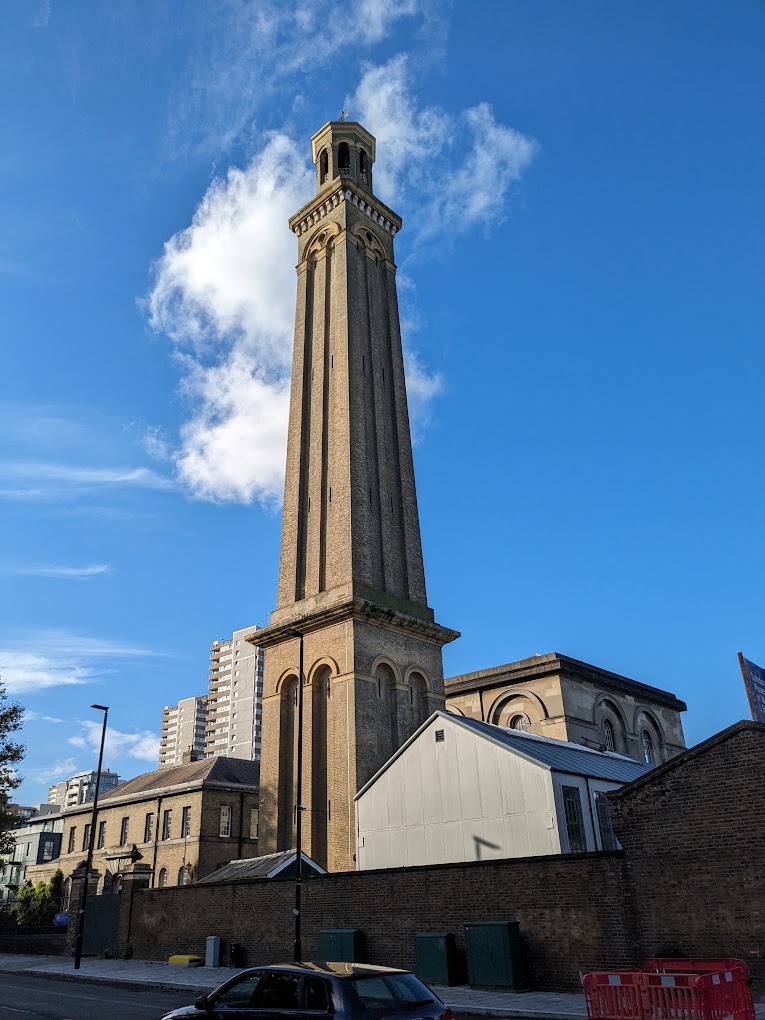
<point x="299" y="798"/>
<point x="91" y="842"/>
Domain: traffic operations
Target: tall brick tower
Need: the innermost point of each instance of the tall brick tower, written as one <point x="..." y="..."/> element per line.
<point x="351" y="576"/>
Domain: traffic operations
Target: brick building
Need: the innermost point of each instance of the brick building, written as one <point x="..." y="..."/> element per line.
<point x="688" y="881"/>
<point x="557" y="696"/>
<point x="183" y="822"/>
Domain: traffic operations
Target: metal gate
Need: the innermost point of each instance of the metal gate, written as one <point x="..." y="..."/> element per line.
<point x="101" y="917"/>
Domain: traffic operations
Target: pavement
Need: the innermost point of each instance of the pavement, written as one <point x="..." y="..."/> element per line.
<point x="462" y="999"/>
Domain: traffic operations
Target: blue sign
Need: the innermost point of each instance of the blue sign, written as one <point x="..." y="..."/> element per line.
<point x="754" y="679"/>
<point x="60" y="920"/>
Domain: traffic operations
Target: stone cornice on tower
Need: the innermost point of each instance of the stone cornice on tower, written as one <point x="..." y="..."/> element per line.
<point x="344" y="191"/>
<point x="359" y="609"/>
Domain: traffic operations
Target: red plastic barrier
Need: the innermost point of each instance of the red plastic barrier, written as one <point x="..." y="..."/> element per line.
<point x="677" y="966"/>
<point x="706" y="990"/>
<point x="614" y="996"/>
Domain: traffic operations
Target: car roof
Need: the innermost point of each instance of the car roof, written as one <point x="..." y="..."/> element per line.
<point x="336" y="969"/>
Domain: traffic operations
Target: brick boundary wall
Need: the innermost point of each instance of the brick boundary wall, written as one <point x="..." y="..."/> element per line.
<point x="571" y="908"/>
<point x="689" y="881"/>
<point x="693" y="833"/>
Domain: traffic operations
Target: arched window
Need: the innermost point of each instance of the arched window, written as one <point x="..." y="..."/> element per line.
<point x="343" y="159"/>
<point x="183" y="876"/>
<point x="648" y="748"/>
<point x="520" y="722"/>
<point x="323" y="166"/>
<point x="363" y="166"/>
<point x="608" y="735"/>
<point x="162" y="878"/>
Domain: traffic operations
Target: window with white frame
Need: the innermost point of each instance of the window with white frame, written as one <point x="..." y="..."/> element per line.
<point x="225" y="820"/>
<point x="648" y="751"/>
<point x="609" y="738"/>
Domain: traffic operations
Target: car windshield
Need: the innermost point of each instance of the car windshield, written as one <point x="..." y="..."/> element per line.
<point x="381" y="991"/>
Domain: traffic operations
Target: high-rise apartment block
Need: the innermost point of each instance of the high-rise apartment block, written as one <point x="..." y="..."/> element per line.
<point x="234" y="701"/>
<point x="81" y="788"/>
<point x="182" y="738"/>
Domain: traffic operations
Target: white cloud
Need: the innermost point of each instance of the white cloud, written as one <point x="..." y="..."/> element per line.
<point x="61" y="769"/>
<point x="30" y="716"/>
<point x="224" y="292"/>
<point x="29" y="672"/>
<point x="143" y="745"/>
<point x="454" y="170"/>
<point x="224" y="288"/>
<point x="53" y="571"/>
<point x="61" y="659"/>
<point x="254" y="54"/>
<point x="75" y="475"/>
<point x="42" y="16"/>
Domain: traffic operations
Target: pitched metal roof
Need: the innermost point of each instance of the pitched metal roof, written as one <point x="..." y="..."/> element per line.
<point x="557" y="755"/>
<point x="268" y="866"/>
<point x="561" y="755"/>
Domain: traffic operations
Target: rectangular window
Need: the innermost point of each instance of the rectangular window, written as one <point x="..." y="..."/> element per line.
<point x="72" y="838"/>
<point x="254" y="822"/>
<point x="101" y="835"/>
<point x="124" y="831"/>
<point x="572" y="804"/>
<point x="47" y="854"/>
<point x="225" y="820"/>
<point x="603" y="811"/>
<point x="148" y="828"/>
<point x="86" y="837"/>
<point x="186" y="822"/>
<point x="167" y="824"/>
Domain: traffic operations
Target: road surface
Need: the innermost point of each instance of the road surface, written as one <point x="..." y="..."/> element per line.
<point x="23" y="997"/>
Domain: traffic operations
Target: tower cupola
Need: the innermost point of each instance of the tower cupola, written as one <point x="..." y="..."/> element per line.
<point x="343" y="149"/>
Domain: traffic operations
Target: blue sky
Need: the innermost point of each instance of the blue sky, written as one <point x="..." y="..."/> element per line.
<point x="581" y="277"/>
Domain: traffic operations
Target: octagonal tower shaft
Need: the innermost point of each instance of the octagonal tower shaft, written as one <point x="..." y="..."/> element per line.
<point x="350" y="520"/>
<point x="351" y="579"/>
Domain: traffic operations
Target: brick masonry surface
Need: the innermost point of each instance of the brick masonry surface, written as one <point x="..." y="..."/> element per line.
<point x="690" y="880"/>
<point x="693" y="833"/>
<point x="570" y="909"/>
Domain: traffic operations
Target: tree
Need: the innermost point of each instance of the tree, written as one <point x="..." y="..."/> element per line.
<point x="11" y="753"/>
<point x="36" y="904"/>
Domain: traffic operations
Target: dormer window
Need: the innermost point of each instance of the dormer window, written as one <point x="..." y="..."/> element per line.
<point x="343" y="160"/>
<point x="323" y="166"/>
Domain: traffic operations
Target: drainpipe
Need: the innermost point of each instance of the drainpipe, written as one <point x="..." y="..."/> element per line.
<point x="156" y="839"/>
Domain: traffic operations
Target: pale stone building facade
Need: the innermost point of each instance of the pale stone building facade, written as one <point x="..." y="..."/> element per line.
<point x="351" y="577"/>
<point x="182" y="822"/>
<point x="557" y="696"/>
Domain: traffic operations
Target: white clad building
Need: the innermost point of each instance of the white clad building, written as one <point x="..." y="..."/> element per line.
<point x="464" y="790"/>
<point x="234" y="704"/>
<point x="183" y="732"/>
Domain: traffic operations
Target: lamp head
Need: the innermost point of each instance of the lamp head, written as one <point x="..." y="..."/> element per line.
<point x="101" y="708"/>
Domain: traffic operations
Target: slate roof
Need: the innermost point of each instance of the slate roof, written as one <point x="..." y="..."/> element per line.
<point x="220" y="770"/>
<point x="267" y="866"/>
<point x="556" y="755"/>
<point x="561" y="755"/>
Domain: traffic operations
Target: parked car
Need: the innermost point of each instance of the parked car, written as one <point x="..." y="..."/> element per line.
<point x="344" y="991"/>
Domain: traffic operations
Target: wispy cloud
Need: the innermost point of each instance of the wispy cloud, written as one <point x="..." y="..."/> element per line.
<point x="80" y="475"/>
<point x="31" y="716"/>
<point x="50" y="570"/>
<point x="476" y="159"/>
<point x="61" y="769"/>
<point x="223" y="289"/>
<point x="143" y="744"/>
<point x="256" y="53"/>
<point x="63" y="659"/>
